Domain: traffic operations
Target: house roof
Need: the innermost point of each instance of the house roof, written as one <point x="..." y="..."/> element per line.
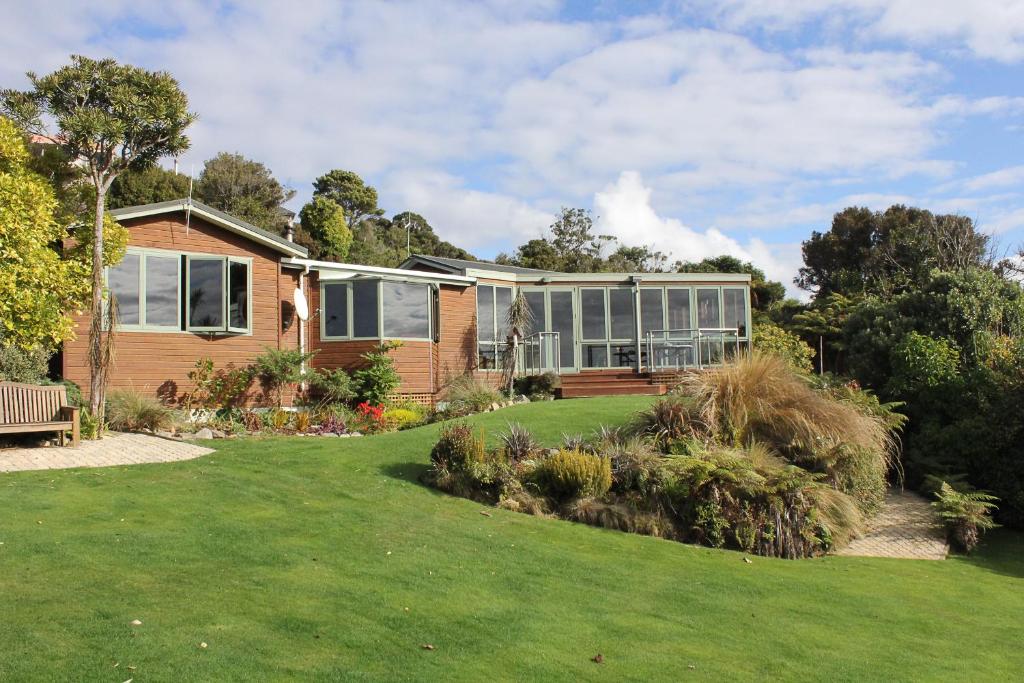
<point x="218" y="218"/>
<point x="455" y="265"/>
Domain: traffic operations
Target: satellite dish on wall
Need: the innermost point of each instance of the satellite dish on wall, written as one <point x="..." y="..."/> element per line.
<point x="301" y="305"/>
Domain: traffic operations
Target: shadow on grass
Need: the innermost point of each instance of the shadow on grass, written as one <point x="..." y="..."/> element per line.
<point x="408" y="471"/>
<point x="1001" y="551"/>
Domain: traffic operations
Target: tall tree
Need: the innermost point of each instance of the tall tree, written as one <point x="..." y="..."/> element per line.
<point x="570" y="246"/>
<point x="636" y="260"/>
<point x="325" y="234"/>
<point x="409" y="232"/>
<point x="351" y="193"/>
<point x="884" y="252"/>
<point x="244" y="188"/>
<point x="148" y="186"/>
<point x="764" y="293"/>
<point x="39" y="290"/>
<point x="112" y="117"/>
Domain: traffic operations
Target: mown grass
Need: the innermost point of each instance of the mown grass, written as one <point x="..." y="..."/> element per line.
<point x="325" y="559"/>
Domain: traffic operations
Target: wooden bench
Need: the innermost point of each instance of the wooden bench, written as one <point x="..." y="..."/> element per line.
<point x="28" y="408"/>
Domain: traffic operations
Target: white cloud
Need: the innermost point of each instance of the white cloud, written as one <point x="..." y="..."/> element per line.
<point x="992" y="29"/>
<point x="469" y="218"/>
<point x="484" y="117"/>
<point x="1011" y="176"/>
<point x="624" y="210"/>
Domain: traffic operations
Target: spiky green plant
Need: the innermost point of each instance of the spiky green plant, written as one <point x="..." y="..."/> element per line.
<point x="966" y="514"/>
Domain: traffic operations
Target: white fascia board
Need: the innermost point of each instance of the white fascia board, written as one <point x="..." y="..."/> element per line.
<point x="331" y="270"/>
<point x="681" y="278"/>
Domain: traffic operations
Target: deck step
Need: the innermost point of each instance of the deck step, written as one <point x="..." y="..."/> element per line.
<point x="610" y="389"/>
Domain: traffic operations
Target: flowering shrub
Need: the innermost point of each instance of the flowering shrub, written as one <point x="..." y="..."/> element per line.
<point x="370" y="417"/>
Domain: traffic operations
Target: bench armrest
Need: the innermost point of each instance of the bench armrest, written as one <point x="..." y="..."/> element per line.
<point x="74" y="415"/>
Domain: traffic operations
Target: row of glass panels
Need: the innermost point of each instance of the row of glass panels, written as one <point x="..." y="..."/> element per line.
<point x="596" y="327"/>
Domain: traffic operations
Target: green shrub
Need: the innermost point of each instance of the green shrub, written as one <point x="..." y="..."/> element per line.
<point x="279" y="369"/>
<point x="375" y="383"/>
<point x="404" y="417"/>
<point x="461" y="464"/>
<point x="920" y="362"/>
<point x="771" y="339"/>
<point x="966" y="514"/>
<point x="29" y="366"/>
<point x="90" y="426"/>
<point x="573" y="474"/>
<point x="541" y="385"/>
<point x="217" y="388"/>
<point x="467" y="394"/>
<point x="130" y="411"/>
<point x="329" y="387"/>
<point x="457" y="448"/>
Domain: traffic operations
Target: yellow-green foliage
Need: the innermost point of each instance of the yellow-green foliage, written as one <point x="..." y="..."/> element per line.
<point x="574" y="474"/>
<point x="302" y="421"/>
<point x="38" y="289"/>
<point x="279" y="419"/>
<point x="402" y="417"/>
<point x="771" y="339"/>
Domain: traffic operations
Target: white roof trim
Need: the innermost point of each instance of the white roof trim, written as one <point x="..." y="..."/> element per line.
<point x="331" y="270"/>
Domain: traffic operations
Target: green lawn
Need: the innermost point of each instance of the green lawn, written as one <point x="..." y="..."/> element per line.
<point x="325" y="559"/>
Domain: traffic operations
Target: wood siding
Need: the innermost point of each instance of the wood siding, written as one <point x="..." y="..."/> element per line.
<point x="158" y="363"/>
<point x="419" y="363"/>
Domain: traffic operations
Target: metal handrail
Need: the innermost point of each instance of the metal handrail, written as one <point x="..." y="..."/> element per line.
<point x="539" y="344"/>
<point x="690" y="337"/>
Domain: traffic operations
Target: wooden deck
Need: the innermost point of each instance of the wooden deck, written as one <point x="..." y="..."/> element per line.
<point x="612" y="383"/>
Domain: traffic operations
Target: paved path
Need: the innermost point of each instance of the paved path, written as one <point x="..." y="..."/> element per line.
<point x="907" y="528"/>
<point x="113" y="449"/>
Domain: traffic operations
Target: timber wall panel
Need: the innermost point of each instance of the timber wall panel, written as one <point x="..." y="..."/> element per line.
<point x="158" y="363"/>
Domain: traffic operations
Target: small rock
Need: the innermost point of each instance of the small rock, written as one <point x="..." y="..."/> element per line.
<point x="345" y="436"/>
<point x="204" y="433"/>
<point x="495" y="406"/>
<point x="357" y="433"/>
<point x="164" y="434"/>
<point x="218" y="434"/>
<point x="427" y="646"/>
<point x="748" y="560"/>
<point x="136" y="622"/>
<point x="330" y="434"/>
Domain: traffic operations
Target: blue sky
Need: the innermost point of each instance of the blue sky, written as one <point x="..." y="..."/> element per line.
<point x="697" y="128"/>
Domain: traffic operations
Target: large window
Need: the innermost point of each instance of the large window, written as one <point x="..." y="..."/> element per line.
<point x="406" y="308"/>
<point x="218" y="294"/>
<point x="365" y="309"/>
<point x="334" y="301"/>
<point x="151" y="296"/>
<point x="125" y="283"/>
<point x="709" y="312"/>
<point x="375" y="309"/>
<point x="608" y="315"/>
<point x="492" y="305"/>
<point x="679" y="320"/>
<point x="205" y="293"/>
<point x="735" y="309"/>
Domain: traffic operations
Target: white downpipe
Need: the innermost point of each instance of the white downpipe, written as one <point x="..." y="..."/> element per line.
<point x="302" y="324"/>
